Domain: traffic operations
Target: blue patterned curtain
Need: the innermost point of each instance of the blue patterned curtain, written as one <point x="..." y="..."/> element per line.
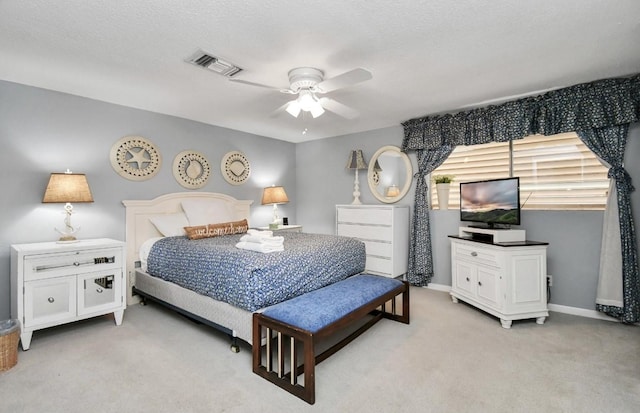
<point x="584" y="107"/>
<point x="609" y="144"/>
<point x="420" y="256"/>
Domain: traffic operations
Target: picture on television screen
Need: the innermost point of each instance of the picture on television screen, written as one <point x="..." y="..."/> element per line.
<point x="492" y="202"/>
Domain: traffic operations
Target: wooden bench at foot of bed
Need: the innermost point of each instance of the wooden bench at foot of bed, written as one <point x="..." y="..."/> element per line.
<point x="304" y="320"/>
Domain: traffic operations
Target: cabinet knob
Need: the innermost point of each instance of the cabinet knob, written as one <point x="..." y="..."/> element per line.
<point x="99" y="290"/>
<point x="474" y="254"/>
<point x="77" y="264"/>
<point x="51" y="299"/>
<point x="479" y="283"/>
<point x="467" y="279"/>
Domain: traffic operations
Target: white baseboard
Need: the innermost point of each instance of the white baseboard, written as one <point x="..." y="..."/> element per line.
<point x="439" y="287"/>
<point x="582" y="312"/>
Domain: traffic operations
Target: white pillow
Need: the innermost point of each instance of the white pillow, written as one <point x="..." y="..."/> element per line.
<point x="206" y="211"/>
<point x="170" y="225"/>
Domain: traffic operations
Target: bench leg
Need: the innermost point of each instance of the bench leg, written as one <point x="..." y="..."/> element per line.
<point x="277" y="373"/>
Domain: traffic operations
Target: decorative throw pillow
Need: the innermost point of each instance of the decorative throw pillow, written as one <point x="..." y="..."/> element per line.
<point x="205" y="211"/>
<point x="216" y="230"/>
<point x="170" y="225"/>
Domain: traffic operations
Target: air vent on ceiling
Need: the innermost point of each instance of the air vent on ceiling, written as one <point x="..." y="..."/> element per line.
<point x="214" y="64"/>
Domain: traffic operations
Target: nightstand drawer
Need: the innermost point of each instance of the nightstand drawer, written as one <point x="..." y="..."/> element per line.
<point x="55" y="265"/>
<point x="49" y="301"/>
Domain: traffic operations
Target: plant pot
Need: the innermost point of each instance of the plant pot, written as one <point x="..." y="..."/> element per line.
<point x="443" y="195"/>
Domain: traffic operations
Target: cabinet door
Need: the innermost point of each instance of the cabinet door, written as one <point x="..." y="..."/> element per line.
<point x="99" y="291"/>
<point x="465" y="277"/>
<point x="488" y="286"/>
<point x="49" y="301"/>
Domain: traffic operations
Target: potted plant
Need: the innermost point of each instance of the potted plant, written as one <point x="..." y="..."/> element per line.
<point x="443" y="182"/>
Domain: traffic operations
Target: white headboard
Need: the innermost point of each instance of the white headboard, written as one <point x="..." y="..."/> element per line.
<point x="139" y="228"/>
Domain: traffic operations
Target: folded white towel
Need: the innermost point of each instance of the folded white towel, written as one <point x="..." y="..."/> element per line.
<point x="257" y="247"/>
<point x="259" y="233"/>
<point x="262" y="240"/>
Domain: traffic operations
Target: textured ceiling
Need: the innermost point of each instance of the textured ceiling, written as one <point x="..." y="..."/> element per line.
<point x="426" y="57"/>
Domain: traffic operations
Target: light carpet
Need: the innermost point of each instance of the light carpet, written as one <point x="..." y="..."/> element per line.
<point x="451" y="358"/>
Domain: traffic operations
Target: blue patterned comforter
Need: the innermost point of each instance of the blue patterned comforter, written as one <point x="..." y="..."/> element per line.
<point x="251" y="280"/>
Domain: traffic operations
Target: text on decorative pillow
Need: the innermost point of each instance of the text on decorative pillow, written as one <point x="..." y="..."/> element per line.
<point x="216" y="230"/>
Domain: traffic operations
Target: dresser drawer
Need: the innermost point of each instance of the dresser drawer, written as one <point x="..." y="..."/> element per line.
<point x="61" y="264"/>
<point x="477" y="255"/>
<point x="365" y="232"/>
<point x="379" y="265"/>
<point x="380" y="216"/>
<point x="381" y="249"/>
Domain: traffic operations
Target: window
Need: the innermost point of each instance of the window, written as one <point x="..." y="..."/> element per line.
<point x="556" y="172"/>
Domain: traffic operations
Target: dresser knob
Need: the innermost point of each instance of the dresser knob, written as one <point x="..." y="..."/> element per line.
<point x="99" y="290"/>
<point x="51" y="299"/>
<point x="474" y="254"/>
<point x="479" y="283"/>
<point x="77" y="264"/>
<point x="467" y="279"/>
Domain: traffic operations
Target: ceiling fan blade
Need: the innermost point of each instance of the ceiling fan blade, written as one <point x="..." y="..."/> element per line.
<point x="346" y="79"/>
<point x="246" y="82"/>
<point x="339" y="108"/>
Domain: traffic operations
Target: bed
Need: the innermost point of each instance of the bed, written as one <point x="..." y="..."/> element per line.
<point x="236" y="319"/>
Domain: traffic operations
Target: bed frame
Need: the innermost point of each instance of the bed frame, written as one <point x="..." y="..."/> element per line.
<point x="232" y="320"/>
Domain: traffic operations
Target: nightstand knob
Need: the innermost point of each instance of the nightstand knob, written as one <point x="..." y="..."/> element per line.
<point x="77" y="264"/>
<point x="50" y="299"/>
<point x="479" y="283"/>
<point x="467" y="278"/>
<point x="99" y="290"/>
<point x="474" y="254"/>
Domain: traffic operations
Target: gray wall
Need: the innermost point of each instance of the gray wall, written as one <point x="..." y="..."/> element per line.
<point x="574" y="237"/>
<point x="43" y="132"/>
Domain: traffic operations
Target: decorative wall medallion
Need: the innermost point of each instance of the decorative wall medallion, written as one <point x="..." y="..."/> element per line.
<point x="235" y="168"/>
<point x="191" y="169"/>
<point x="135" y="158"/>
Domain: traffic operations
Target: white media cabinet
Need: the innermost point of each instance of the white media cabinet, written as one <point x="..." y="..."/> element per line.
<point x="504" y="278"/>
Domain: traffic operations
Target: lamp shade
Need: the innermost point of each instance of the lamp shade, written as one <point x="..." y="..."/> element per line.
<point x="274" y="195"/>
<point x="356" y="160"/>
<point x="67" y="187"/>
<point x="376" y="167"/>
<point x="393" y="191"/>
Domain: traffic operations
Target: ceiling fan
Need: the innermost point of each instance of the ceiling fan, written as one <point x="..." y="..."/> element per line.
<point x="308" y="82"/>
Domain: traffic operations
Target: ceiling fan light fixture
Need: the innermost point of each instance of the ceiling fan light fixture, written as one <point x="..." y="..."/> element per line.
<point x="306" y="100"/>
<point x="293" y="108"/>
<point x="316" y="110"/>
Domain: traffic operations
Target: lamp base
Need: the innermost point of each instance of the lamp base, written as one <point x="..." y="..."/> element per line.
<point x="67" y="239"/>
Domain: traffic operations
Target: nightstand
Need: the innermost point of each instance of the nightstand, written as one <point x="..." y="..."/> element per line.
<point x="56" y="283"/>
<point x="283" y="228"/>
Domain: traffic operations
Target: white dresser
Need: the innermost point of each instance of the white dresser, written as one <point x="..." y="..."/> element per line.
<point x="507" y="280"/>
<point x="385" y="231"/>
<point x="56" y="283"/>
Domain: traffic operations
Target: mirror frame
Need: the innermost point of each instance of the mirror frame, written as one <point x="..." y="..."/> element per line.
<point x="408" y="177"/>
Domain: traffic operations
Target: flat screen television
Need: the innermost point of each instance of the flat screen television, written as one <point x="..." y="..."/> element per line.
<point x="495" y="202"/>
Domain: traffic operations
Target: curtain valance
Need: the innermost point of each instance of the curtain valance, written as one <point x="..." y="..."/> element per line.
<point x="593" y="105"/>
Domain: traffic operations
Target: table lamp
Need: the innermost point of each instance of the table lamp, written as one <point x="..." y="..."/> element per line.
<point x="356" y="161"/>
<point x="67" y="188"/>
<point x="274" y="195"/>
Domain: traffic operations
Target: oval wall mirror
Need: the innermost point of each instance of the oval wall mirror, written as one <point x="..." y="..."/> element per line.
<point x="390" y="174"/>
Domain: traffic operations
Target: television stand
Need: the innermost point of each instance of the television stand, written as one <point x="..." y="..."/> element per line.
<point x="493" y="235"/>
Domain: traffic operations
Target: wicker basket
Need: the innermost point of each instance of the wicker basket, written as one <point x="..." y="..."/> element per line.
<point x="9" y="337"/>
